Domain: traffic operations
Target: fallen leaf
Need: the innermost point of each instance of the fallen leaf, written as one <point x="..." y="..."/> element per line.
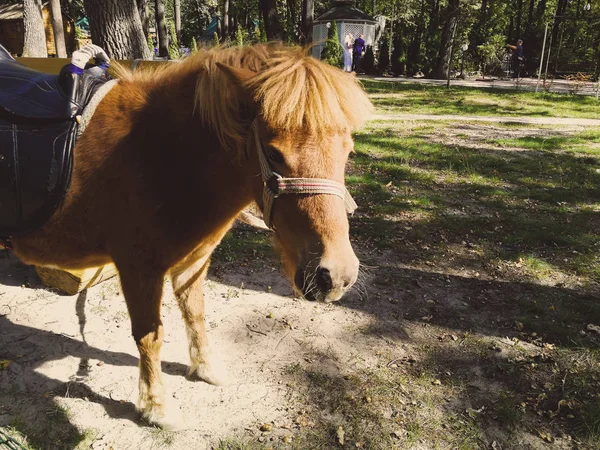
<point x="4" y="363"/>
<point x="340" y="435"/>
<point x="545" y="436"/>
<point x="266" y="427"/>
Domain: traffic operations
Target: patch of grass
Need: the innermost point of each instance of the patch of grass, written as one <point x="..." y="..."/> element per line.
<point x="508" y="409"/>
<point x="534" y="201"/>
<point x="14" y="433"/>
<point x="234" y="444"/>
<point x="392" y="97"/>
<point x="54" y="431"/>
<point x="378" y="408"/>
<point x="244" y="245"/>
<point x="163" y="437"/>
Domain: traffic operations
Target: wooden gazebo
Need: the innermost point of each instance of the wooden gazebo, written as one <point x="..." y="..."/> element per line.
<point x="347" y="18"/>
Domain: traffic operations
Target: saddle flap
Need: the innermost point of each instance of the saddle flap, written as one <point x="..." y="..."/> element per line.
<point x="35" y="171"/>
<point x="27" y="93"/>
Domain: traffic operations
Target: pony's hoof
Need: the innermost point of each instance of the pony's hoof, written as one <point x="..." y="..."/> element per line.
<point x="169" y="419"/>
<point x="208" y="373"/>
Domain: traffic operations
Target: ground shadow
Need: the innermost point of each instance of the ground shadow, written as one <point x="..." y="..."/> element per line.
<point x="27" y="396"/>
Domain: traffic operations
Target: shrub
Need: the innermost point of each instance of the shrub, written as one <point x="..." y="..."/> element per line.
<point x="333" y="53"/>
<point x="216" y="40"/>
<point x="174" y="52"/>
<point x="492" y="53"/>
<point x="384" y="55"/>
<point x="239" y="37"/>
<point x="398" y="60"/>
<point x="367" y="63"/>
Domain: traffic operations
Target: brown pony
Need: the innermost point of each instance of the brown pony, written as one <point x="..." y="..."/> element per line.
<point x="169" y="160"/>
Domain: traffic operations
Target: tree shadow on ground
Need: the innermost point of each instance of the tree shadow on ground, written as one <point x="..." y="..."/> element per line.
<point x="28" y="397"/>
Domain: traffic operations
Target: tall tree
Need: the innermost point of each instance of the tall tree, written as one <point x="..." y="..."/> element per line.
<point x="451" y="16"/>
<point x="519" y="18"/>
<point x="58" y="27"/>
<point x="117" y="28"/>
<point x="308" y="15"/>
<point x="272" y="24"/>
<point x="35" y="36"/>
<point x="161" y="28"/>
<point x="225" y="18"/>
<point x="177" y="13"/>
<point x="144" y="11"/>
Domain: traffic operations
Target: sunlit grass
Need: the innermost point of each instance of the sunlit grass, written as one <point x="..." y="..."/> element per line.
<point x="391" y="97"/>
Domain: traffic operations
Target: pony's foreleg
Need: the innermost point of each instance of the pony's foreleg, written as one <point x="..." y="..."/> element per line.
<point x="187" y="285"/>
<point x="143" y="293"/>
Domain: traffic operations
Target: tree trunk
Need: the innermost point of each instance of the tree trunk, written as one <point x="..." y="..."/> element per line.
<point x="292" y="20"/>
<point x="117" y="28"/>
<point x="161" y="29"/>
<point x="142" y="6"/>
<point x="225" y="18"/>
<point x="272" y="25"/>
<point x="443" y="60"/>
<point x="308" y="15"/>
<point x="177" y="10"/>
<point x="59" y="31"/>
<point x="529" y="19"/>
<point x="519" y="17"/>
<point x="561" y="8"/>
<point x="478" y="34"/>
<point x="35" y="37"/>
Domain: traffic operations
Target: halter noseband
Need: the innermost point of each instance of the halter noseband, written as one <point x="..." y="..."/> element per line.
<point x="276" y="185"/>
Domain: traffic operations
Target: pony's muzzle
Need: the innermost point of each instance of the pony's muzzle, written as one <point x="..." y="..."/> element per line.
<point x="325" y="284"/>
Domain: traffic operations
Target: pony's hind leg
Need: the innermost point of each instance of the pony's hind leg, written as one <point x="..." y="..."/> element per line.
<point x="187" y="285"/>
<point x="143" y="293"/>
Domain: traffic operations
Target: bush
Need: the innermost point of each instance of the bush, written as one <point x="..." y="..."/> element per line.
<point x="216" y="40"/>
<point x="194" y="46"/>
<point x="333" y="54"/>
<point x="492" y="53"/>
<point x="384" y="55"/>
<point x="174" y="52"/>
<point x="367" y="63"/>
<point x="240" y="37"/>
<point x="398" y="60"/>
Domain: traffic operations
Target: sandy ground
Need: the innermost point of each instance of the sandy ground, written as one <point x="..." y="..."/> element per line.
<point x="76" y="352"/>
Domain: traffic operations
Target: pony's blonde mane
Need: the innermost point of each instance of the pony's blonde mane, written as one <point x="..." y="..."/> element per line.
<point x="293" y="91"/>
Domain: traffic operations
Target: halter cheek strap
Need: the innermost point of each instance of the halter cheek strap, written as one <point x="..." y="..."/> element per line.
<point x="276" y="185"/>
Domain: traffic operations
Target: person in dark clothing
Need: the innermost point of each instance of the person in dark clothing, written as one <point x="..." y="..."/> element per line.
<point x="357" y="51"/>
<point x="517" y="57"/>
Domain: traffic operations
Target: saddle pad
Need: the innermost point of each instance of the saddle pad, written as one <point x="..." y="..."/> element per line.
<point x="35" y="172"/>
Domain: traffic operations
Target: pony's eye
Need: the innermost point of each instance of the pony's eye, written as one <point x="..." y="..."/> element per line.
<point x="275" y="155"/>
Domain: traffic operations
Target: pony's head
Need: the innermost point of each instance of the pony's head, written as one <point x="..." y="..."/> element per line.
<point x="300" y="115"/>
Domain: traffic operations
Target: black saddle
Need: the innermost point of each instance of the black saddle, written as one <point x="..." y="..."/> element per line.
<point x="38" y="127"/>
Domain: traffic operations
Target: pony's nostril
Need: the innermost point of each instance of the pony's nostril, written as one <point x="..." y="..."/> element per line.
<point x="346" y="282"/>
<point x="324" y="280"/>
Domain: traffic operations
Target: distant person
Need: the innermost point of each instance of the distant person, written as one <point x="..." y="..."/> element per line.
<point x="358" y="49"/>
<point x="517" y="57"/>
<point x="348" y="52"/>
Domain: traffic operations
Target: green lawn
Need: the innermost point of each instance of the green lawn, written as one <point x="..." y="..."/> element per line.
<point x="393" y="97"/>
<point x="532" y="196"/>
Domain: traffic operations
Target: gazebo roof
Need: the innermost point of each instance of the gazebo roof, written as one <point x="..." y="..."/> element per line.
<point x="344" y="10"/>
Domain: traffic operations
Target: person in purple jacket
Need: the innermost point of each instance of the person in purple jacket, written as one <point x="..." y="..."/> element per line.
<point x="357" y="51"/>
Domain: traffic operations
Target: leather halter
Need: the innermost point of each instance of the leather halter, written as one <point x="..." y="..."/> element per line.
<point x="276" y="185"/>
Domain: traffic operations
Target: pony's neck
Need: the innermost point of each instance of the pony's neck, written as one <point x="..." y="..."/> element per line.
<point x="208" y="182"/>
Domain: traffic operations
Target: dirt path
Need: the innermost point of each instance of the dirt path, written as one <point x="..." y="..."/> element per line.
<point x="496" y="119"/>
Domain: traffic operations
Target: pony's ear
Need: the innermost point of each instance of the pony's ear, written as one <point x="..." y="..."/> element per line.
<point x="236" y="75"/>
